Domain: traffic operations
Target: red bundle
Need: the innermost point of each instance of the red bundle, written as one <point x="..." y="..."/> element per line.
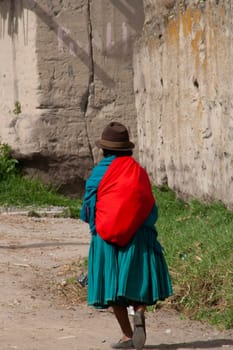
<point x="124" y="201"/>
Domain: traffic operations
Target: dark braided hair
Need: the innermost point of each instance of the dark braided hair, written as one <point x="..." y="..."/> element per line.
<point x="107" y="153"/>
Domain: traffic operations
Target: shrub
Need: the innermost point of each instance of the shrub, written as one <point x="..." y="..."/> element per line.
<point x="8" y="165"/>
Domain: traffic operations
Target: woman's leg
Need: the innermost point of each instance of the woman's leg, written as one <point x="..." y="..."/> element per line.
<point x="139" y="307"/>
<point x="122" y="317"/>
<point x="139" y="333"/>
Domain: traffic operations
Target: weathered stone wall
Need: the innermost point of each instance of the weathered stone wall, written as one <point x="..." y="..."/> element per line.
<point x="18" y="73"/>
<point x="66" y="69"/>
<point x="184" y="91"/>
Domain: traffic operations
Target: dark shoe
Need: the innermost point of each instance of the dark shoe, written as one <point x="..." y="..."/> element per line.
<point x="139" y="334"/>
<point x="123" y="344"/>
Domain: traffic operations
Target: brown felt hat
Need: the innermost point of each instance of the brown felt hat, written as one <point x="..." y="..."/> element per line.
<point x="115" y="137"/>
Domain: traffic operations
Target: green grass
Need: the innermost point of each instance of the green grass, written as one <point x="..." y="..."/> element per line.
<point x="198" y="242"/>
<point x="18" y="191"/>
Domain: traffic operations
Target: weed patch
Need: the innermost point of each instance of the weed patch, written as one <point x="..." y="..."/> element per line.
<point x="69" y="289"/>
<point x="198" y="241"/>
<point x="8" y="165"/>
<point x="18" y="191"/>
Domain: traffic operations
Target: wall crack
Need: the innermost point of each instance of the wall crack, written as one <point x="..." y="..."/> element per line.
<point x="88" y="97"/>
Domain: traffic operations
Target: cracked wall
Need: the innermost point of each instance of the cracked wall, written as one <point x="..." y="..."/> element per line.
<point x="68" y="65"/>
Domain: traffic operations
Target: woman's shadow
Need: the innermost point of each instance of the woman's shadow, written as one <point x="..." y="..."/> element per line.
<point x="199" y="344"/>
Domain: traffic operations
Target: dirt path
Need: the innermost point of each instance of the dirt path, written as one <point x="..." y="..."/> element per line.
<point x="34" y="253"/>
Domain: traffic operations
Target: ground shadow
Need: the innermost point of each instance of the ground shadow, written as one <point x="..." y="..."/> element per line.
<point x="40" y="245"/>
<point x="199" y="344"/>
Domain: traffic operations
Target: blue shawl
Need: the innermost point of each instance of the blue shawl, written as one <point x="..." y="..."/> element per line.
<point x="88" y="208"/>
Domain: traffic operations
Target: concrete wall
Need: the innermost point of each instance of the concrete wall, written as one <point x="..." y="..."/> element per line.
<point x="184" y="91"/>
<point x="68" y="65"/>
<point x="18" y="72"/>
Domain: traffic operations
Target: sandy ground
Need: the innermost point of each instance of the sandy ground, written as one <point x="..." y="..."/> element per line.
<point x="33" y="255"/>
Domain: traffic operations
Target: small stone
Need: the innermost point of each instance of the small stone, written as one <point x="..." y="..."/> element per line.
<point x="168" y="331"/>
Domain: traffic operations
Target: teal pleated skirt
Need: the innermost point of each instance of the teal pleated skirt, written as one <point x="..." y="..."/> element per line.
<point x="137" y="272"/>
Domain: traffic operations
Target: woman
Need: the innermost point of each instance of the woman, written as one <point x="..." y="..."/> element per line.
<point x="126" y="265"/>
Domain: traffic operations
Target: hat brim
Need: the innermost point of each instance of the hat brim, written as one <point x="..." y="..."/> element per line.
<point x="130" y="145"/>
